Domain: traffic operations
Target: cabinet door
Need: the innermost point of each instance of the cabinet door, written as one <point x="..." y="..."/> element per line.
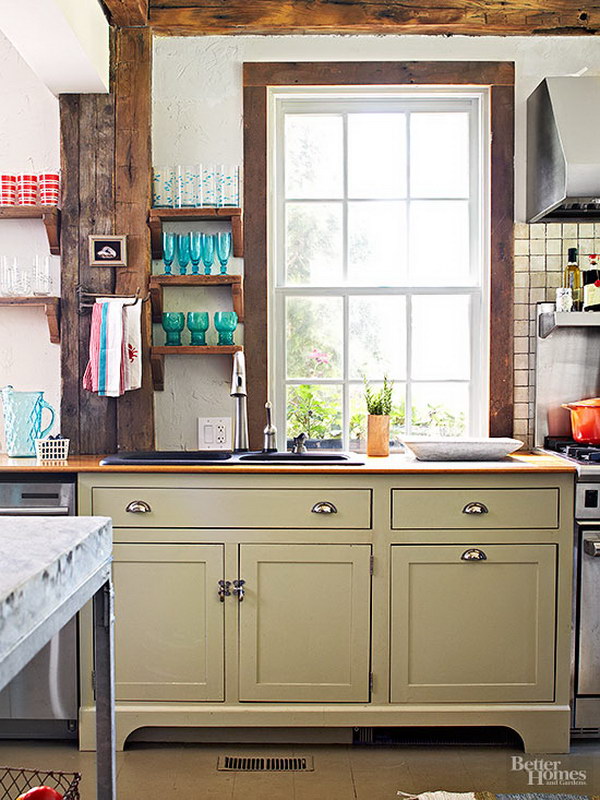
<point x="169" y="636"/>
<point x="472" y="630"/>
<point x="305" y="623"/>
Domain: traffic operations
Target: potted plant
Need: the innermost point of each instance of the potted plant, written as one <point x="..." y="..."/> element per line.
<point x="379" y="409"/>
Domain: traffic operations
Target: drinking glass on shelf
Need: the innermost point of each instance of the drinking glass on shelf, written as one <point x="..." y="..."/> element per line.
<point x="223" y="249"/>
<point x="169" y="246"/>
<point x="183" y="252"/>
<point x="164" y="189"/>
<point x="195" y="251"/>
<point x="225" y="324"/>
<point x="188" y="183"/>
<point x="21" y="280"/>
<point x="231" y="185"/>
<point x="42" y="281"/>
<point x="173" y="323"/>
<point x="197" y="322"/>
<point x="208" y="252"/>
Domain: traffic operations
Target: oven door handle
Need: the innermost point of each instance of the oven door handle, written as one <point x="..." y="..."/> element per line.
<point x="35" y="511"/>
<point x="591" y="547"/>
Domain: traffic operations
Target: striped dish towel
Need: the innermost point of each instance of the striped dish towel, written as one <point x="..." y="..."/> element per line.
<point x="105" y="371"/>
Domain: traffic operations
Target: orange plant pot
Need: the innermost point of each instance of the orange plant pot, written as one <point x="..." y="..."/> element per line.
<point x="378" y="435"/>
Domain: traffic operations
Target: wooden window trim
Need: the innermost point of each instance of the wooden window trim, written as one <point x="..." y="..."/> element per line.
<point x="499" y="77"/>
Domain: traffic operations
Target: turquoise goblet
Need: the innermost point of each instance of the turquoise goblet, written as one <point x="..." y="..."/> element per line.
<point x="225" y="323"/>
<point x="169" y="248"/>
<point x="173" y="323"/>
<point x="208" y="252"/>
<point x="223" y="250"/>
<point x="195" y="251"/>
<point x="183" y="252"/>
<point x="197" y="322"/>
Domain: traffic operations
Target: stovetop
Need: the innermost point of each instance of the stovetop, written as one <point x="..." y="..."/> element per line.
<point x="575" y="451"/>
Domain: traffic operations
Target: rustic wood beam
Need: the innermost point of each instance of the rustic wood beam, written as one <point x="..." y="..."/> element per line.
<point x="132" y="91"/>
<point x="483" y="17"/>
<point x="124" y="13"/>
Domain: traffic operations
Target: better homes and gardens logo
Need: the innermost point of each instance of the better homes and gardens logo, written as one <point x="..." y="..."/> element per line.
<point x="542" y="772"/>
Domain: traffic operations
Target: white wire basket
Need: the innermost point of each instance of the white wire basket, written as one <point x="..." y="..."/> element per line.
<point x="52" y="449"/>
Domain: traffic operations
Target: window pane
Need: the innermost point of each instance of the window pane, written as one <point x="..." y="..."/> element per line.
<point x="439" y="243"/>
<point x="317" y="412"/>
<point x="439" y="154"/>
<point x="440" y="409"/>
<point x="314" y="154"/>
<point x="377" y="155"/>
<point x="441" y="342"/>
<point x="314" y="337"/>
<point x="313" y="244"/>
<point x="376" y="243"/>
<point x="358" y="415"/>
<point x="377" y="337"/>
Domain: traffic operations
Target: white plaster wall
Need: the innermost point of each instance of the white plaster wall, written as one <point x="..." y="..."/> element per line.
<point x="198" y="117"/>
<point x="29" y="140"/>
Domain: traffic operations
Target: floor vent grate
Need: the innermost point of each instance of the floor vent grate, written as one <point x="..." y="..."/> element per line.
<point x="268" y="764"/>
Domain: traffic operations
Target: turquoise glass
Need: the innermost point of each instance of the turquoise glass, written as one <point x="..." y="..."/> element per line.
<point x="195" y="251"/>
<point x="183" y="252"/>
<point x="169" y="247"/>
<point x="197" y="322"/>
<point x="23" y="420"/>
<point x="208" y="252"/>
<point x="223" y="249"/>
<point x="173" y="323"/>
<point x="225" y="323"/>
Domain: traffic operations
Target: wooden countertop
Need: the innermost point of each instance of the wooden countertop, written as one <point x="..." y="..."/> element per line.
<point x="393" y="464"/>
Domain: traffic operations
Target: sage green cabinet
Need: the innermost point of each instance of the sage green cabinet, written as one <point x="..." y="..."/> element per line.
<point x="304" y="623"/>
<point x="169" y="623"/>
<point x="475" y="630"/>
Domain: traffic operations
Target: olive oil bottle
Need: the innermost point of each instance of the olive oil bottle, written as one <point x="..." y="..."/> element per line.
<point x="572" y="278"/>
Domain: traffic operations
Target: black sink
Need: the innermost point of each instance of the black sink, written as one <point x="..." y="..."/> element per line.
<point x="301" y="458"/>
<point x="170" y="458"/>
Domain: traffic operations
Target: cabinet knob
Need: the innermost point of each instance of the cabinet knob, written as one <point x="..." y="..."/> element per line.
<point x="324" y="508"/>
<point x="473" y="554"/>
<point x="475" y="508"/>
<point x="138" y="507"/>
<point x="223" y="590"/>
<point x="238" y="589"/>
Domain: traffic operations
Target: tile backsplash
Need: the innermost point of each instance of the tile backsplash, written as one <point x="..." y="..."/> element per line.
<point x="540" y="255"/>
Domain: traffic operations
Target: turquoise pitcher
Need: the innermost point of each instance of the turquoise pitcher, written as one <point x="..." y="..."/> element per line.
<point x="23" y="420"/>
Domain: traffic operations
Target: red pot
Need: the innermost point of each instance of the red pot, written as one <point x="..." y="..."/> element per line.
<point x="585" y="420"/>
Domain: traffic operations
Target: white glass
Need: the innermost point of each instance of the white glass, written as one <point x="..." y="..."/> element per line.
<point x="231" y="185"/>
<point x="164" y="187"/>
<point x="209" y="191"/>
<point x="314" y="244"/>
<point x="439" y="154"/>
<point x="358" y="415"/>
<point x="317" y="412"/>
<point x="377" y="338"/>
<point x="21" y="279"/>
<point x="377" y="155"/>
<point x="439" y="243"/>
<point x="441" y="337"/>
<point x="377" y="243"/>
<point x="314" y="147"/>
<point x="42" y="281"/>
<point x="187" y="185"/>
<point x="314" y="337"/>
<point x="440" y="409"/>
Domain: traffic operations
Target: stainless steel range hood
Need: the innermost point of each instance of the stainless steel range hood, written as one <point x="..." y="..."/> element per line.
<point x="563" y="150"/>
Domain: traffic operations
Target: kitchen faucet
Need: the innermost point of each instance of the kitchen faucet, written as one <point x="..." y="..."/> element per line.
<point x="238" y="391"/>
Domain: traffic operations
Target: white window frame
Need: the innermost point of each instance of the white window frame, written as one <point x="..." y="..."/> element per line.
<point x="283" y="100"/>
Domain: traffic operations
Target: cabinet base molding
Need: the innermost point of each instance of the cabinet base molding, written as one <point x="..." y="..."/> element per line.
<point x="543" y="728"/>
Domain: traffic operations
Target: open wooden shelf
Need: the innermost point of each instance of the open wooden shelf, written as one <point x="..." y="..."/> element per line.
<point x="158" y="282"/>
<point x="51" y="306"/>
<point x="50" y="216"/>
<point x="204" y="214"/>
<point x="157" y="357"/>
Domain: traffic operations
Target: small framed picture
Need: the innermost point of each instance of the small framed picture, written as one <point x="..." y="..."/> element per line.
<point x="108" y="251"/>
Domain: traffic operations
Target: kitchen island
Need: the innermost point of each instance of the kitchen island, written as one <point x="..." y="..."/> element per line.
<point x="398" y="593"/>
<point x="50" y="569"/>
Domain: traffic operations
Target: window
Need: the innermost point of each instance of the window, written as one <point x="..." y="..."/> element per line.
<point x="379" y="259"/>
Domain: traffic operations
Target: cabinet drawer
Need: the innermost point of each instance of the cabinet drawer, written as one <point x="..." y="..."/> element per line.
<point x="348" y="509"/>
<point x="490" y="508"/>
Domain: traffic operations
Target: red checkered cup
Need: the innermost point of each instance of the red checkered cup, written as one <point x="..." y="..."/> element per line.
<point x="48" y="188"/>
<point x="8" y="189"/>
<point x="27" y="190"/>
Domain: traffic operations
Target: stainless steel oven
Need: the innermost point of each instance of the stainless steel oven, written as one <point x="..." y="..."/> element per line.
<point x="42" y="701"/>
<point x="586" y="711"/>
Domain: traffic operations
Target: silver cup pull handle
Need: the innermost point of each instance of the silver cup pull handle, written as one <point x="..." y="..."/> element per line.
<point x="475" y="508"/>
<point x="592" y="547"/>
<point x="223" y="590"/>
<point x="473" y="554"/>
<point x="138" y="507"/>
<point x="238" y="589"/>
<point x="324" y="508"/>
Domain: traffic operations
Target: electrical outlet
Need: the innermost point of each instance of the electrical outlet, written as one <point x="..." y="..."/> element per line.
<point x="214" y="433"/>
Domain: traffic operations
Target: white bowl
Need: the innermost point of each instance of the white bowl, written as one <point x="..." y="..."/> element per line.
<point x="460" y="448"/>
